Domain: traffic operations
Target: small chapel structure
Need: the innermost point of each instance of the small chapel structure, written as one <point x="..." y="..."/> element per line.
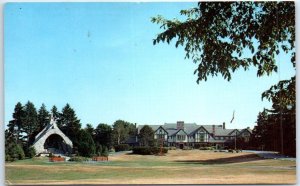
<point x="52" y="140"/>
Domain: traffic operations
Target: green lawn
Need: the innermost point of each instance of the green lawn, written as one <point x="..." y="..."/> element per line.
<point x="150" y="169"/>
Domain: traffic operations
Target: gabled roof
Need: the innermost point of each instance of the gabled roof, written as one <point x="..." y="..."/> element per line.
<point x="171" y="132"/>
<point x="180" y="132"/>
<point x="160" y="127"/>
<point x="232" y="133"/>
<point x="224" y="132"/>
<point x="245" y="130"/>
<point x="192" y="128"/>
<point x="201" y="127"/>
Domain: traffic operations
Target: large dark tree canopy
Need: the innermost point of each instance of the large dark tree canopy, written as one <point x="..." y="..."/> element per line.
<point x="216" y="34"/>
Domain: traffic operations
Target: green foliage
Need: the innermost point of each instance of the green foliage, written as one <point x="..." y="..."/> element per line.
<point x="122" y="130"/>
<point x="216" y="34"/>
<point x="43" y="117"/>
<point x="146" y="136"/>
<point x="122" y="147"/>
<point x="13" y="151"/>
<point x="86" y="145"/>
<point x="78" y="159"/>
<point x="104" y="135"/>
<point x="207" y="148"/>
<point x="98" y="149"/>
<point x="31" y="152"/>
<point x="30" y="122"/>
<point x="282" y="95"/>
<point x="148" y="150"/>
<point x="69" y="124"/>
<point x="55" y="112"/>
<point x="275" y="131"/>
<point x="90" y="129"/>
<point x="105" y="152"/>
<point x="16" y="124"/>
<point x="276" y="128"/>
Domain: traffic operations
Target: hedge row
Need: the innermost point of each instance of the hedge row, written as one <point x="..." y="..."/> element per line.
<point x="122" y="147"/>
<point x="148" y="150"/>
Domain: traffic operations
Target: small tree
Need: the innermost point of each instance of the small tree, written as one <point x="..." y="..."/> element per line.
<point x="121" y="131"/>
<point x="103" y="135"/>
<point x="146" y="136"/>
<point x="98" y="149"/>
<point x="86" y="145"/>
<point x="31" y="152"/>
<point x="104" y="151"/>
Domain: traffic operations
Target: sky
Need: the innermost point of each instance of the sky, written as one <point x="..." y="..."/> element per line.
<point x="99" y="58"/>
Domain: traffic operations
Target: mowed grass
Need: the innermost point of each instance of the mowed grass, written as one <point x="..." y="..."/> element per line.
<point x="190" y="167"/>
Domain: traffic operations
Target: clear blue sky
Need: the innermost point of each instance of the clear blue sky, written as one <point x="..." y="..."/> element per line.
<point x="99" y="58"/>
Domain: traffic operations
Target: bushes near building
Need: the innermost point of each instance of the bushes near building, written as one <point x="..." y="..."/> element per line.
<point x="122" y="147"/>
<point x="148" y="150"/>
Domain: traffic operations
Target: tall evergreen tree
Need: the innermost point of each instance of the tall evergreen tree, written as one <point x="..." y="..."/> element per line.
<point x="55" y="112"/>
<point x="86" y="145"/>
<point x="90" y="129"/>
<point x="43" y="117"/>
<point x="29" y="122"/>
<point x="146" y="136"/>
<point x="69" y="124"/>
<point x="16" y="124"/>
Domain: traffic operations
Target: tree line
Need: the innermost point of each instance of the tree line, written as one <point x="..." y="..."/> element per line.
<point x="27" y="122"/>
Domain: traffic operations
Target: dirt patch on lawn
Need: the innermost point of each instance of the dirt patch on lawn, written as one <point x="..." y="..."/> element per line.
<point x="191" y="156"/>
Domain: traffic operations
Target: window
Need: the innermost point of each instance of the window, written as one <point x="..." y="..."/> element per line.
<point x="160" y="136"/>
<point x="200" y="136"/>
<point x="180" y="137"/>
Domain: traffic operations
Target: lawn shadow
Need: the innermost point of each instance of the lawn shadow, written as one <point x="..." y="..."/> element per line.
<point x="236" y="159"/>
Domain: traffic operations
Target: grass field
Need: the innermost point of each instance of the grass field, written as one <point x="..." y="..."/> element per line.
<point x="177" y="167"/>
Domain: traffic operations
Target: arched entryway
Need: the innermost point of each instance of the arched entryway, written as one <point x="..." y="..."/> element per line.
<point x="56" y="144"/>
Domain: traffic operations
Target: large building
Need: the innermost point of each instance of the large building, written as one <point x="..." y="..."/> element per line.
<point x="182" y="134"/>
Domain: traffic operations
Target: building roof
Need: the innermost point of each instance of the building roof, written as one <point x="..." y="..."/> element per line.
<point x="192" y="128"/>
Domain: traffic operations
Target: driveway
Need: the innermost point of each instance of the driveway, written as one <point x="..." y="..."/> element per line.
<point x="271" y="155"/>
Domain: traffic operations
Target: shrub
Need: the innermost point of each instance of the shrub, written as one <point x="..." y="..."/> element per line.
<point x="78" y="159"/>
<point x="8" y="158"/>
<point x="187" y="148"/>
<point x="122" y="147"/>
<point x="104" y="152"/>
<point x="207" y="148"/>
<point x="148" y="150"/>
<point x="31" y="152"/>
<point x="18" y="153"/>
<point x="204" y="148"/>
<point x="13" y="152"/>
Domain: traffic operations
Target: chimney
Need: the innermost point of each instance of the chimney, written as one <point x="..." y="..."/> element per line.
<point x="213" y="130"/>
<point x="223" y="125"/>
<point x="180" y="125"/>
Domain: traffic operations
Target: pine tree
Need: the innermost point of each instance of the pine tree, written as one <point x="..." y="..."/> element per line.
<point x="69" y="124"/>
<point x="16" y="124"/>
<point x="30" y="122"/>
<point x="43" y="117"/>
<point x="55" y="112"/>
